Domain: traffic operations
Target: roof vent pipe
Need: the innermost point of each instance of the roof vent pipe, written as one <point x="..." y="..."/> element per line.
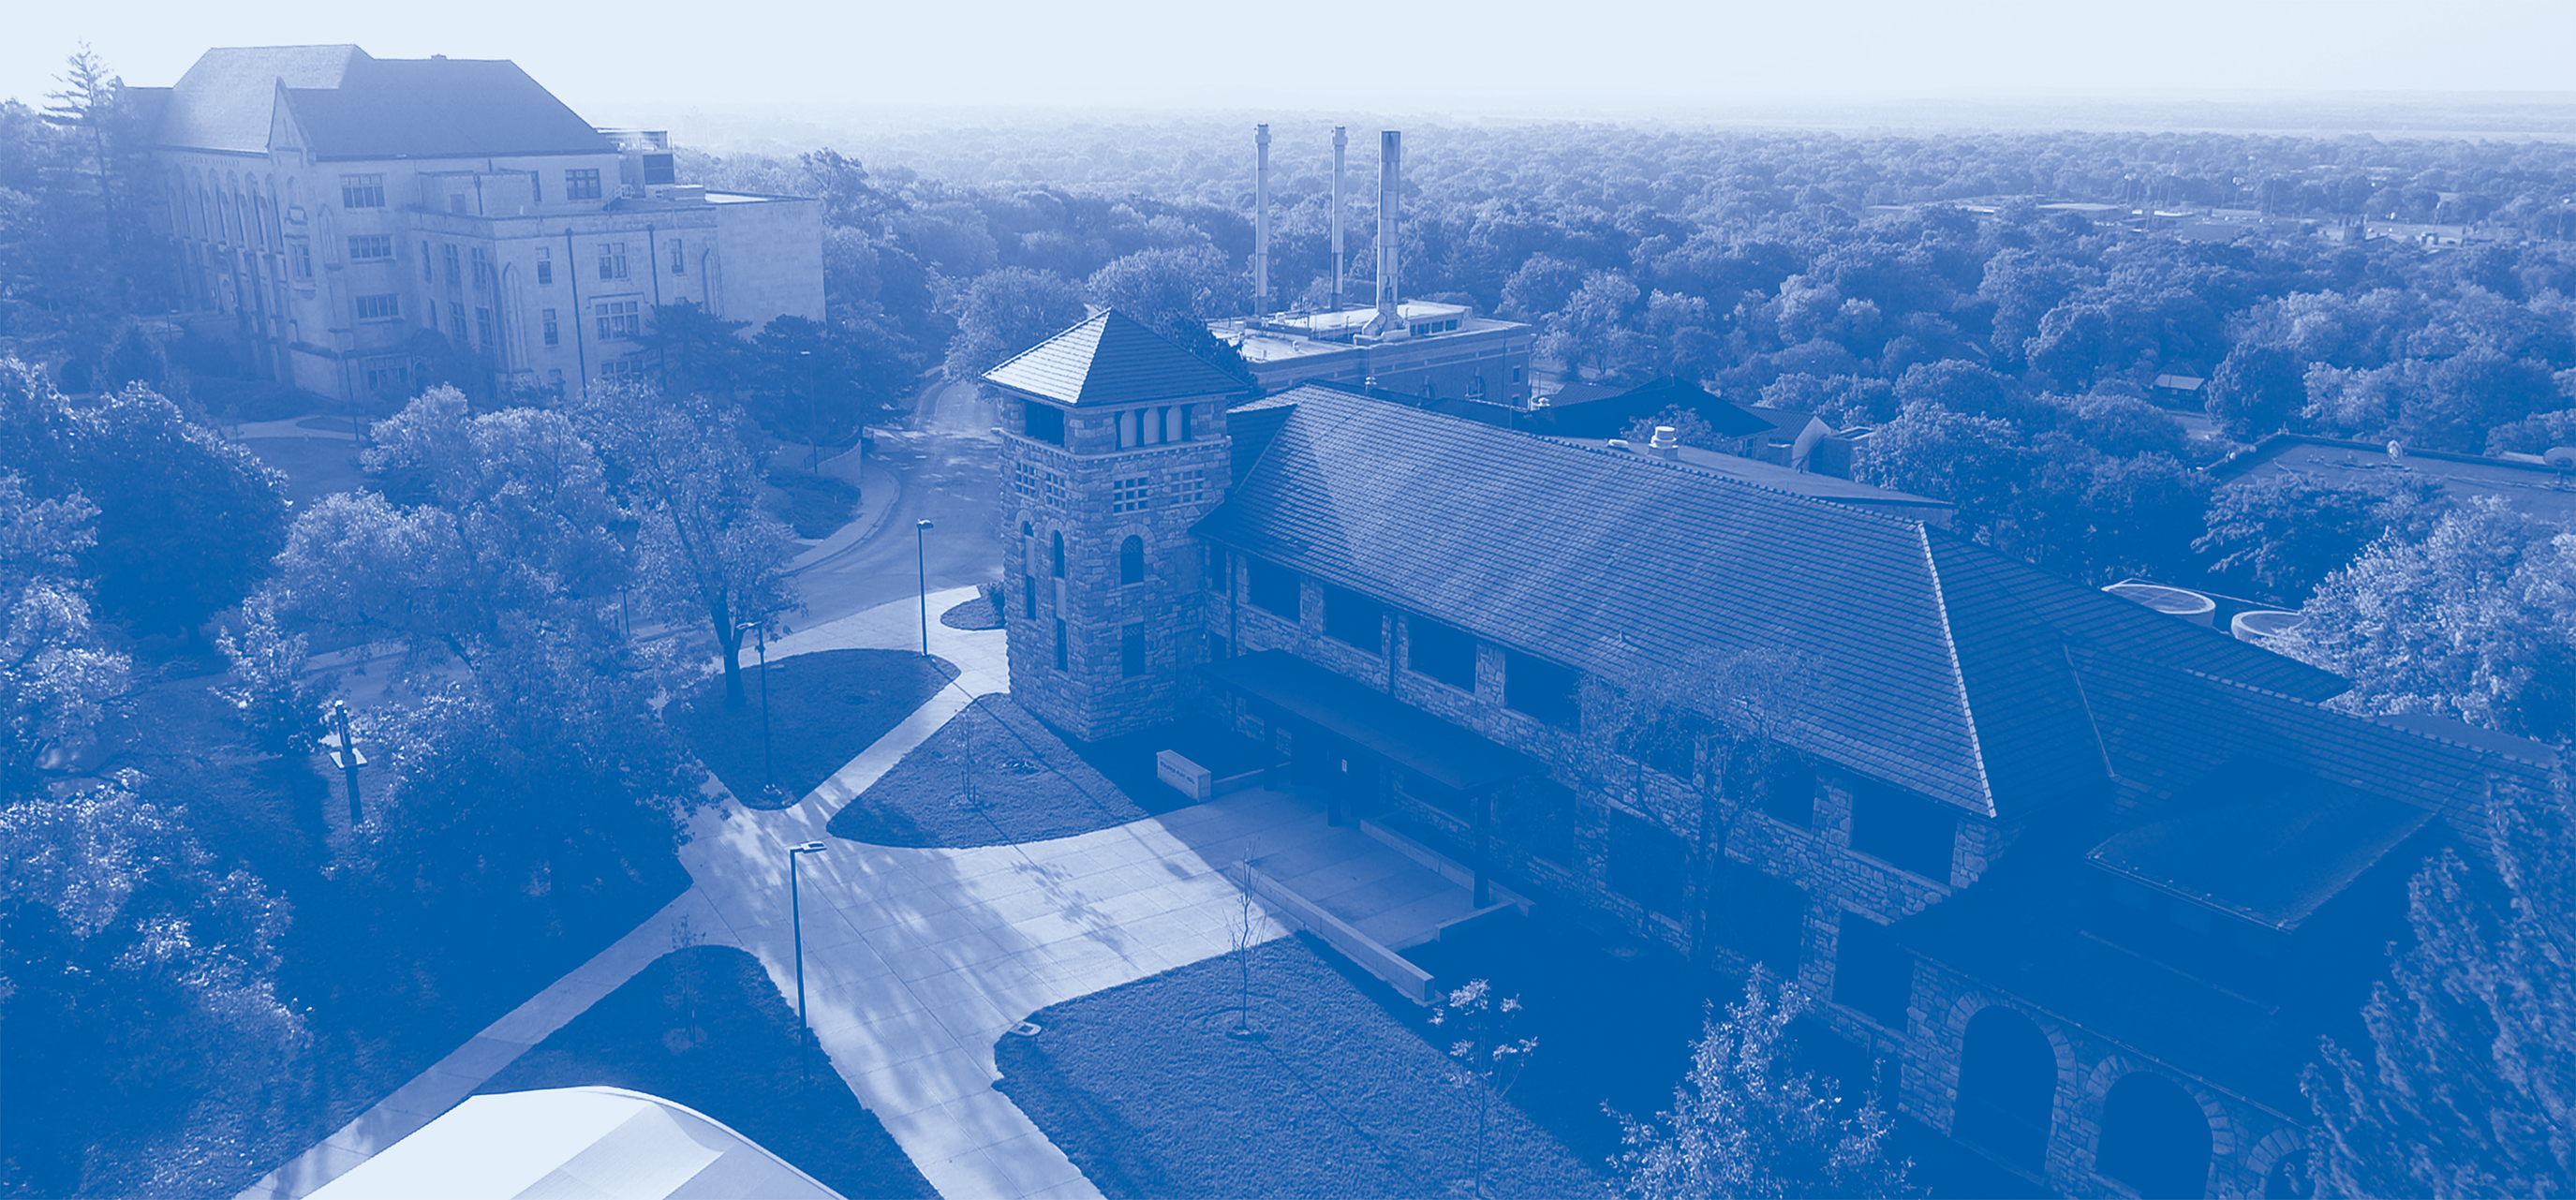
<point x="1665" y="444"/>
<point x="1341" y="139"/>
<point x="1261" y="221"/>
<point x="1390" y="159"/>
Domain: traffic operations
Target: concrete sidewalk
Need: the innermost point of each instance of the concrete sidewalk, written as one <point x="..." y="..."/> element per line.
<point x="917" y="961"/>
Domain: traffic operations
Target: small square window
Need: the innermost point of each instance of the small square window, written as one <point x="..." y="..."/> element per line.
<point x="581" y="184"/>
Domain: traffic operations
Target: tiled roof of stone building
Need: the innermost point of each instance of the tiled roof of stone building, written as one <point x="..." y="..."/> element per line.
<point x="1111" y="359"/>
<point x="1940" y="666"/>
<point x="354" y="106"/>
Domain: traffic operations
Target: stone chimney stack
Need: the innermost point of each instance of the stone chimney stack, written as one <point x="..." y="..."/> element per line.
<point x="1390" y="175"/>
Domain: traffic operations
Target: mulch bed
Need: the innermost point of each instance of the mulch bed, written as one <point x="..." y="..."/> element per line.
<point x="978" y="613"/>
<point x="992" y="776"/>
<point x="1129" y="759"/>
<point x="1143" y="1088"/>
<point x="705" y="1027"/>
<point x="825" y="708"/>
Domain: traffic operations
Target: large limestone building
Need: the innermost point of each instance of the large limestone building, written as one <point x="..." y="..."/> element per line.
<point x="2089" y="877"/>
<point x="342" y="214"/>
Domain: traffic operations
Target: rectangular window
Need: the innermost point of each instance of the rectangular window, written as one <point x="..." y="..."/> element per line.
<point x="679" y="260"/>
<point x="370" y="247"/>
<point x="1537" y="816"/>
<point x="545" y="265"/>
<point x="482" y="269"/>
<point x="660" y="168"/>
<point x="1220" y="570"/>
<point x="303" y="260"/>
<point x="456" y="321"/>
<point x="612" y="260"/>
<point x="1128" y="495"/>
<point x="483" y="326"/>
<point x="379" y="308"/>
<point x="1908" y="833"/>
<point x="1189" y="487"/>
<point x="1028" y="596"/>
<point x="455" y="273"/>
<point x="1275" y="588"/>
<point x="1062" y="655"/>
<point x="1760" y="916"/>
<point x="1541" y="689"/>
<point x="581" y="184"/>
<point x="1445" y="654"/>
<point x="621" y="368"/>
<point x="620" y="319"/>
<point x="1648" y="864"/>
<point x="427" y="273"/>
<point x="537" y="187"/>
<point x="1044" y="423"/>
<point x="1354" y="620"/>
<point x="362" y="191"/>
<point x="1873" y="974"/>
<point x="554" y="335"/>
<point x="1131" y="651"/>
<point x="389" y="375"/>
<point x="1789" y="790"/>
<point x="554" y="380"/>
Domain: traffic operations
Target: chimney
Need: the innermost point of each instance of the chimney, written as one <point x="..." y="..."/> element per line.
<point x="1390" y="157"/>
<point x="1261" y="221"/>
<point x="1341" y="139"/>
<point x="1665" y="445"/>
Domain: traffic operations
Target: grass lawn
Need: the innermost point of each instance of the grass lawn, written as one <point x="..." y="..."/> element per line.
<point x="705" y="1027"/>
<point x="814" y="505"/>
<point x="992" y="775"/>
<point x="1141" y="1086"/>
<point x="824" y="709"/>
<point x="315" y="467"/>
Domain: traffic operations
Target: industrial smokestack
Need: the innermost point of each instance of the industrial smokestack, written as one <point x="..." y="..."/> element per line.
<point x="1341" y="139"/>
<point x="1261" y="221"/>
<point x="1390" y="173"/>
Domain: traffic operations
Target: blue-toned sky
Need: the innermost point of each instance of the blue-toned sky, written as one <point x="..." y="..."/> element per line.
<point x="1500" y="57"/>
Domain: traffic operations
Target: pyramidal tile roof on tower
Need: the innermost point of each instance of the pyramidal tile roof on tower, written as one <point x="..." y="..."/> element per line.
<point x="1111" y="359"/>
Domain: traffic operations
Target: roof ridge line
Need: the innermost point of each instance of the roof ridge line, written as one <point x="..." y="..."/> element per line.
<point x="1705" y="473"/>
<point x="1958" y="673"/>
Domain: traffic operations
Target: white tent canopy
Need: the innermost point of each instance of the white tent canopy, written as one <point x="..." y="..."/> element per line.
<point x="574" y="1144"/>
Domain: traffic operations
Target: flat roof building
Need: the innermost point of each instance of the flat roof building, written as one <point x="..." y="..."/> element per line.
<point x="1438" y="351"/>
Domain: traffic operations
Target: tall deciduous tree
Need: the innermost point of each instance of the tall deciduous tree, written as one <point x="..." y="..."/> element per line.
<point x="2470" y="1084"/>
<point x="1744" y="1123"/>
<point x="140" y="977"/>
<point x="56" y="676"/>
<point x="2476" y="621"/>
<point x="707" y="548"/>
<point x="1007" y="311"/>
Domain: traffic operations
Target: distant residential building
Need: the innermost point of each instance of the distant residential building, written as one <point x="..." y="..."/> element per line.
<point x="342" y="214"/>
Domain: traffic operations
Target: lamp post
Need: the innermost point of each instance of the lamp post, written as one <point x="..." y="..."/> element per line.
<point x="768" y="760"/>
<point x="921" y="565"/>
<point x="813" y="416"/>
<point x="796" y="921"/>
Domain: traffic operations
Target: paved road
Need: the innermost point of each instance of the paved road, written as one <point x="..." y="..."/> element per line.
<point x="948" y="465"/>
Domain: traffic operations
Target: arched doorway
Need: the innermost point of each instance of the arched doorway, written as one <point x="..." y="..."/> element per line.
<point x="2155" y="1138"/>
<point x="2007" y="1087"/>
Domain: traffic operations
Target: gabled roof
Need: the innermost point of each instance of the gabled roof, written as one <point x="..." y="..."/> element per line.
<point x="225" y="101"/>
<point x="1940" y="666"/>
<point x="353" y="106"/>
<point x="1111" y="359"/>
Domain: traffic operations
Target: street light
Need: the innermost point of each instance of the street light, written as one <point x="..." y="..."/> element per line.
<point x="768" y="760"/>
<point x="796" y="920"/>
<point x="921" y="564"/>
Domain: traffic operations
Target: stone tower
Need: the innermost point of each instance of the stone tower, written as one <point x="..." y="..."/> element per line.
<point x="1113" y="446"/>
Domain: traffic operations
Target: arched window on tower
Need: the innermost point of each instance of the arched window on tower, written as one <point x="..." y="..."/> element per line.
<point x="1131" y="560"/>
<point x="1057" y="546"/>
